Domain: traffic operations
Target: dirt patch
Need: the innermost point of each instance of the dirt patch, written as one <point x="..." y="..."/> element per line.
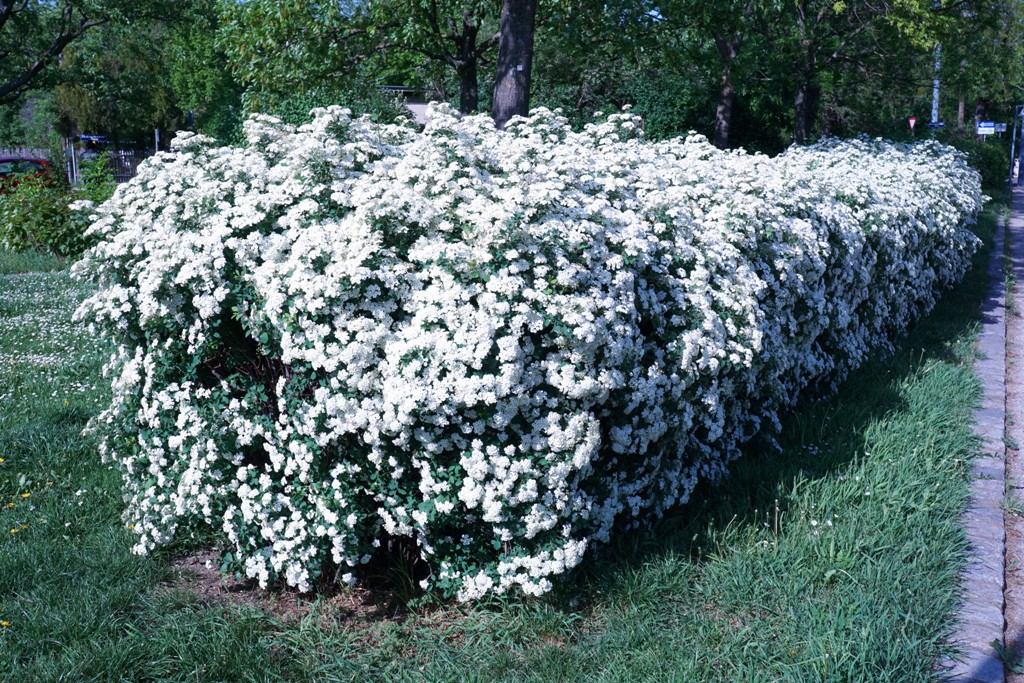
<point x="357" y="608"/>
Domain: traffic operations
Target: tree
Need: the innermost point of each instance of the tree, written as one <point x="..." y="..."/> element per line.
<point x="298" y="44"/>
<point x="29" y="122"/>
<point x="726" y="26"/>
<point x="116" y="82"/>
<point x="821" y="37"/>
<point x="515" y="61"/>
<point x="591" y="56"/>
<point x="200" y="74"/>
<point x="452" y="32"/>
<point x="983" y="58"/>
<point x="277" y="48"/>
<point x="34" y="33"/>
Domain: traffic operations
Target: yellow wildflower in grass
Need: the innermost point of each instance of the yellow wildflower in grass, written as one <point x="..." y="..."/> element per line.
<point x="10" y="505"/>
<point x="25" y="495"/>
<point x="14" y="531"/>
<point x="5" y="624"/>
<point x="1" y="460"/>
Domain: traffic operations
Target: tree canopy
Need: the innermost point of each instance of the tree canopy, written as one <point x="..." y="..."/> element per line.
<point x="35" y="33"/>
<point x="754" y="73"/>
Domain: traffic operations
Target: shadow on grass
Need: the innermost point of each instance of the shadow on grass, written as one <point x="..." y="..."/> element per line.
<point x="820" y="437"/>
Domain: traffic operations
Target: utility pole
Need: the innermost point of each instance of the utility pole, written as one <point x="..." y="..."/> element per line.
<point x="1014" y="178"/>
<point x="935" y="87"/>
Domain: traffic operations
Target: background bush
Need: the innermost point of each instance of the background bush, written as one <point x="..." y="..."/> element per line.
<point x="990" y="157"/>
<point x="37" y="213"/>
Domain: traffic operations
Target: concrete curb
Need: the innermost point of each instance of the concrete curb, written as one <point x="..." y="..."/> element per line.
<point x="981" y="616"/>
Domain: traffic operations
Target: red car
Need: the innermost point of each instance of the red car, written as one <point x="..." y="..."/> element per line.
<point x="11" y="167"/>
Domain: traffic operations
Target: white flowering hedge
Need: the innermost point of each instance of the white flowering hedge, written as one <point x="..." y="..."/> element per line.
<point x="499" y="347"/>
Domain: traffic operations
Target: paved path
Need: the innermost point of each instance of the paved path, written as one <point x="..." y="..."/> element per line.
<point x="983" y="612"/>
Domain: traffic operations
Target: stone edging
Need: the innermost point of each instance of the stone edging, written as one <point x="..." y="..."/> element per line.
<point x="981" y="616"/>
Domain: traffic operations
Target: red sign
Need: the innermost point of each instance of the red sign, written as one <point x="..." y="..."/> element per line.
<point x="912" y="120"/>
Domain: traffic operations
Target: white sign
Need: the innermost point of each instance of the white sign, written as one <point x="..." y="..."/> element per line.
<point x="1000" y="127"/>
<point x="986" y="127"/>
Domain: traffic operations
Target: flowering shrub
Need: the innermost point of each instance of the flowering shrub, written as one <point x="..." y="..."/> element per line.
<point x="501" y="347"/>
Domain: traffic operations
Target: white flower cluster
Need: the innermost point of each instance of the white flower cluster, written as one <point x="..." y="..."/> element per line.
<point x="499" y="347"/>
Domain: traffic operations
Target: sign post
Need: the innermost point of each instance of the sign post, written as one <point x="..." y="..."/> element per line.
<point x="912" y="121"/>
<point x="986" y="127"/>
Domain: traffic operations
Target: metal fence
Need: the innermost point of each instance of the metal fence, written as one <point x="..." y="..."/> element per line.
<point x="24" y="152"/>
<point x="123" y="162"/>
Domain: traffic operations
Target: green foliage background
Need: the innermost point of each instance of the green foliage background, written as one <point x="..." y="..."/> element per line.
<point x="210" y="63"/>
<point x="35" y="214"/>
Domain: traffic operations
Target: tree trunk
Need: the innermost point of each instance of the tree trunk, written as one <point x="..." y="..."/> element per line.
<point x="960" y="108"/>
<point x="466" y="64"/>
<point x="979" y="114"/>
<point x="728" y="48"/>
<point x="515" y="61"/>
<point x="723" y="114"/>
<point x="468" y="94"/>
<point x="806" y="110"/>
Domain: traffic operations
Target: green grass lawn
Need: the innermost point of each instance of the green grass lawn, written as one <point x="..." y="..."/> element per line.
<point x="834" y="560"/>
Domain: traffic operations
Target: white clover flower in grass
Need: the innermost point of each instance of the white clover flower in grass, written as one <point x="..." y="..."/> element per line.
<point x="500" y="348"/>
